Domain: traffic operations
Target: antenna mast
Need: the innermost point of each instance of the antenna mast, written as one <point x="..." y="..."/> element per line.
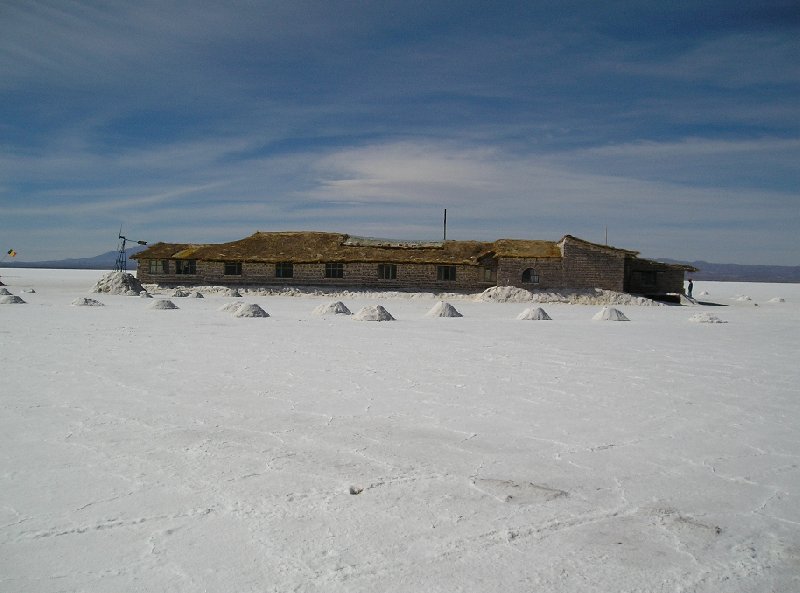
<point x="444" y="236"/>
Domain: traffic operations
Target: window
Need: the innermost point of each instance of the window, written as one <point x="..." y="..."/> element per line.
<point x="159" y="266"/>
<point x="387" y="271"/>
<point x="530" y="276"/>
<point x="446" y="273"/>
<point x="284" y="270"/>
<point x="186" y="266"/>
<point x="489" y="274"/>
<point x="233" y="268"/>
<point x="334" y="270"/>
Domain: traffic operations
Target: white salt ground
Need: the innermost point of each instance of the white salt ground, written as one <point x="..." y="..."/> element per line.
<point x="196" y="452"/>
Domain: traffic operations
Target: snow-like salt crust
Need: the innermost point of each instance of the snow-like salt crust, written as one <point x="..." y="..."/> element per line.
<point x="250" y="310"/>
<point x="610" y="314"/>
<point x="537" y="314"/>
<point x="198" y="452"/>
<point x="332" y="308"/>
<point x="86" y="302"/>
<point x="443" y="309"/>
<point x="373" y="313"/>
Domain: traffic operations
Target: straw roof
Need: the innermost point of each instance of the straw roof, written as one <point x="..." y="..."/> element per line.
<point x="317" y="247"/>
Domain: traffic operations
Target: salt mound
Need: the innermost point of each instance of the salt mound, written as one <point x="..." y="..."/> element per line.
<point x="506" y="294"/>
<point x="705" y="318"/>
<point x="373" y="313"/>
<point x="443" y="309"/>
<point x="744" y="297"/>
<point x="537" y="314"/>
<point x="145" y="295"/>
<point x="4" y="291"/>
<point x="231" y="292"/>
<point x="180" y="293"/>
<point x="118" y="283"/>
<point x="29" y="290"/>
<point x="230" y="307"/>
<point x="704" y="293"/>
<point x="250" y="310"/>
<point x="11" y="300"/>
<point x="332" y="308"/>
<point x="86" y="302"/>
<point x="777" y="300"/>
<point x="197" y="295"/>
<point x="610" y="314"/>
<point x="163" y="304"/>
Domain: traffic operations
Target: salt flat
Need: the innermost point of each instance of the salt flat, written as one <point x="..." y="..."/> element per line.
<point x="190" y="450"/>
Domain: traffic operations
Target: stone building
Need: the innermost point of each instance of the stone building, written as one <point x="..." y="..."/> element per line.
<point x="339" y="260"/>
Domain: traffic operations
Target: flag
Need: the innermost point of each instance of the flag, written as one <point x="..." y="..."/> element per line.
<point x="12" y="253"/>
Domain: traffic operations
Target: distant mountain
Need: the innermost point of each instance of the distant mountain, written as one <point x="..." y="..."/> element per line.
<point x="741" y="273"/>
<point x="104" y="261"/>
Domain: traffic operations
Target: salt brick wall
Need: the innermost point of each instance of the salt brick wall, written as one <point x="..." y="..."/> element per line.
<point x="409" y="276"/>
<point x="588" y="267"/>
<point x="550" y="270"/>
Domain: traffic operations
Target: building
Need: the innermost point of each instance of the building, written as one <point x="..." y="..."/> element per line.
<point x="339" y="260"/>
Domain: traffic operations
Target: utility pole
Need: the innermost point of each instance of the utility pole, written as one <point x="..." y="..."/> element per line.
<point x="444" y="236"/>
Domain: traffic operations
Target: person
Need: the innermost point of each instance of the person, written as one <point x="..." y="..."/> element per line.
<point x="689" y="289"/>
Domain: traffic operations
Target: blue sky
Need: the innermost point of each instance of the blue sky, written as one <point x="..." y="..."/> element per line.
<point x="676" y="125"/>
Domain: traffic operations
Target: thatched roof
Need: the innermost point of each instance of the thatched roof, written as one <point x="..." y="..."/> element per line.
<point x="319" y="247"/>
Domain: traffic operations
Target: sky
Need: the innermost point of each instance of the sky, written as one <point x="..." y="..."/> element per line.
<point x="674" y="127"/>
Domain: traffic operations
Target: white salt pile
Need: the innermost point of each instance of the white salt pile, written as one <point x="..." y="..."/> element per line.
<point x="163" y="304"/>
<point x="777" y="300"/>
<point x="743" y="297"/>
<point x="250" y="310"/>
<point x="506" y="294"/>
<point x="231" y="292"/>
<point x="704" y="293"/>
<point x="443" y="309"/>
<point x="118" y="283"/>
<point x="197" y="295"/>
<point x="4" y="291"/>
<point x="537" y="314"/>
<point x="230" y="307"/>
<point x="11" y="300"/>
<point x="145" y="295"/>
<point x="29" y="290"/>
<point x="584" y="296"/>
<point x="373" y="313"/>
<point x="705" y="318"/>
<point x="332" y="308"/>
<point x="86" y="302"/>
<point x="610" y="314"/>
<point x="180" y="293"/>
